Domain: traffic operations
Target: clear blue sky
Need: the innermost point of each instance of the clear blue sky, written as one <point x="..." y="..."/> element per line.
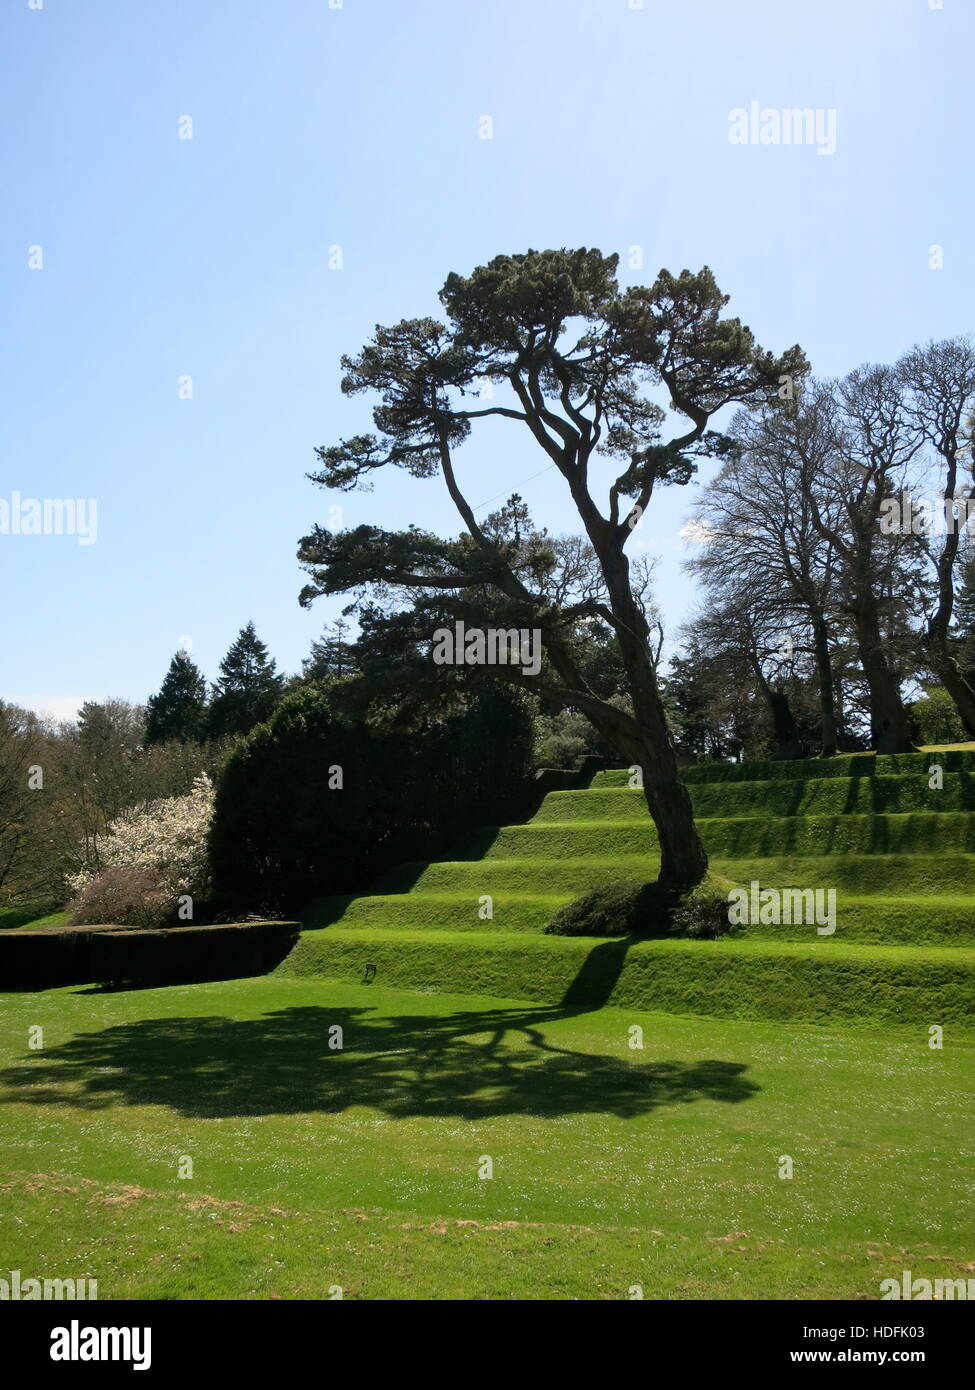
<point x="358" y="126"/>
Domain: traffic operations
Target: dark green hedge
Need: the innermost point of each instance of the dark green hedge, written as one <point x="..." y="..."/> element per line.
<point x="49" y="957"/>
<point x="282" y="835"/>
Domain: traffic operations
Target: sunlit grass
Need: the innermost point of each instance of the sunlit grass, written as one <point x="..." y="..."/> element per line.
<point x="359" y="1167"/>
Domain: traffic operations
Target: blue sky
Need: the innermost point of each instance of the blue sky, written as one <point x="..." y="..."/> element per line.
<point x="358" y="126"/>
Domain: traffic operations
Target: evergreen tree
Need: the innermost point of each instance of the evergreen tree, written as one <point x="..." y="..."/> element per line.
<point x="332" y="654"/>
<point x="178" y="712"/>
<point x="248" y="688"/>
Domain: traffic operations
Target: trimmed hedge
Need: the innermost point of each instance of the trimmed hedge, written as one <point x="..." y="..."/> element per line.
<point x="318" y="800"/>
<point x="49" y="957"/>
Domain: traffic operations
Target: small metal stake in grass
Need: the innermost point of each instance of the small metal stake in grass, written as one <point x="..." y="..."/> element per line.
<point x="370" y="975"/>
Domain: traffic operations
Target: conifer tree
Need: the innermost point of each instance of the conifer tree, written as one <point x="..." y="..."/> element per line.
<point x="178" y="712"/>
<point x="331" y="655"/>
<point x="248" y="688"/>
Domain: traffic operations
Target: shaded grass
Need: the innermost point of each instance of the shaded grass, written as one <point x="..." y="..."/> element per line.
<point x="956" y="757"/>
<point x="30" y="918"/>
<point x="789" y="797"/>
<point x="457" y="911"/>
<point x="733" y="837"/>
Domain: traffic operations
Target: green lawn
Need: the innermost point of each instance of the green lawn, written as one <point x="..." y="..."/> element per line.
<point x="612" y="1167"/>
<point x="317" y="1168"/>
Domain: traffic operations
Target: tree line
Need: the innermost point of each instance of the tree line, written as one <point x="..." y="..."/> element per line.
<point x="835" y="553"/>
<point x="64" y="782"/>
<point x="406" y="774"/>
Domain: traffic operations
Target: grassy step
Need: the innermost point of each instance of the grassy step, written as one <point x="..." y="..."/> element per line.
<point x="906" y="920"/>
<point x="898" y="853"/>
<point x="457" y="911"/>
<point x="884" y="874"/>
<point x="731" y="837"/>
<point x="957" y="759"/>
<point x="814" y="982"/>
<point x="814" y="796"/>
<point x="888" y="921"/>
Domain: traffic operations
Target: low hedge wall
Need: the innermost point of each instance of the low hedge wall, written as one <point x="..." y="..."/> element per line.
<point x="55" y="956"/>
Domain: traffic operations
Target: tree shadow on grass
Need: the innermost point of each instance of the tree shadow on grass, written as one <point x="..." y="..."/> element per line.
<point x="471" y="1064"/>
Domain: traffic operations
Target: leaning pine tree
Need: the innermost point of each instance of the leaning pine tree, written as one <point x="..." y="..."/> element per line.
<point x="548" y="340"/>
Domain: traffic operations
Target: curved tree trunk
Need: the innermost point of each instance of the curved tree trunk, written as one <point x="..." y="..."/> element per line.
<point x="683" y="859"/>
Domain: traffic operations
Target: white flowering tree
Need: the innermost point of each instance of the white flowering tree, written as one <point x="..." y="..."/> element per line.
<point x="168" y="839"/>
